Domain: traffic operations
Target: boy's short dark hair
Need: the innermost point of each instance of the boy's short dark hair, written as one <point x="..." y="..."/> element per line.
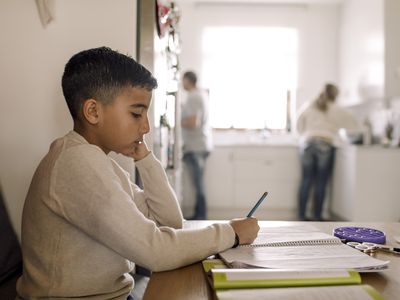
<point x="101" y="74"/>
<point x="191" y="76"/>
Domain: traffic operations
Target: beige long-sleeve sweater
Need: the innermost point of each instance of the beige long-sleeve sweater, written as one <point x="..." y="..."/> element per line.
<point x="313" y="122"/>
<point x="85" y="225"/>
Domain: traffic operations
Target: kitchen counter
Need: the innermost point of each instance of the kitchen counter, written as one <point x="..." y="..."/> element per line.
<point x="256" y="145"/>
<point x="253" y="139"/>
<point x="370" y="147"/>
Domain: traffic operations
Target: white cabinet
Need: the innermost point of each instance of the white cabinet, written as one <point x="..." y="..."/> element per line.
<point x="366" y="184"/>
<point x="219" y="178"/>
<point x="236" y="176"/>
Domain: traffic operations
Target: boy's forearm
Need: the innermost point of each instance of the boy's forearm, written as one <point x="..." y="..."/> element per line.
<point x="179" y="248"/>
<point x="161" y="201"/>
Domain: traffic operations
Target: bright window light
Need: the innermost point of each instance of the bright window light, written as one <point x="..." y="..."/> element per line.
<point x="249" y="71"/>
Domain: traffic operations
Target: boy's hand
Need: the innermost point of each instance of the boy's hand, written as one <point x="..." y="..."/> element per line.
<point x="140" y="151"/>
<point x="246" y="228"/>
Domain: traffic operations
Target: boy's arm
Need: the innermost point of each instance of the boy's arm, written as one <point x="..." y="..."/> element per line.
<point x="158" y="200"/>
<point x="87" y="193"/>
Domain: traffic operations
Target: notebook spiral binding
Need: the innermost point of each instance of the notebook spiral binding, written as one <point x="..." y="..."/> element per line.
<point x="297" y="243"/>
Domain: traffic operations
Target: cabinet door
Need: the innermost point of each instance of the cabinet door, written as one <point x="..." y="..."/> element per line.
<point x="343" y="184"/>
<point x="365" y="185"/>
<point x="219" y="178"/>
<point x="282" y="194"/>
<point x="377" y="187"/>
<point x="272" y="169"/>
<point x="266" y="163"/>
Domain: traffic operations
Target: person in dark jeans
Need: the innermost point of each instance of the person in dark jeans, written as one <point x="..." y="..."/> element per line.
<point x="319" y="124"/>
<point x="195" y="163"/>
<point x="196" y="135"/>
<point x="317" y="157"/>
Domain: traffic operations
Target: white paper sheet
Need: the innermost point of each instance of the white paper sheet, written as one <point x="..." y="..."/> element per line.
<point x="337" y="256"/>
<point x="265" y="274"/>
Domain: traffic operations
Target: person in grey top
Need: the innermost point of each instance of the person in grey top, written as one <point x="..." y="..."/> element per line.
<point x="197" y="144"/>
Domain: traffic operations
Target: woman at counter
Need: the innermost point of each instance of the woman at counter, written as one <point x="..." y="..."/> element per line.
<point x="318" y="125"/>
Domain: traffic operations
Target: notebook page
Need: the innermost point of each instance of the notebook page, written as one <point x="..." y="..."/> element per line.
<point x="349" y="292"/>
<point x="302" y="257"/>
<point x="335" y="256"/>
<point x="284" y="234"/>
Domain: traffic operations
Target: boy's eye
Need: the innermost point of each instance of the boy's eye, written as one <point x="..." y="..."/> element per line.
<point x="136" y="115"/>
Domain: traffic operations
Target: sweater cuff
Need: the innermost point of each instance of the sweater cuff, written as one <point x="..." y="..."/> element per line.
<point x="228" y="236"/>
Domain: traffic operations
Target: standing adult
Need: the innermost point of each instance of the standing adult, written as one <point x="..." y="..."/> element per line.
<point x="197" y="143"/>
<point x="318" y="125"/>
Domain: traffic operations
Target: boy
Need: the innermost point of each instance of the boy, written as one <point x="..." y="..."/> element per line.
<point x="84" y="223"/>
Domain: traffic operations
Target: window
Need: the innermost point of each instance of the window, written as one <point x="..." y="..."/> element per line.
<point x="249" y="71"/>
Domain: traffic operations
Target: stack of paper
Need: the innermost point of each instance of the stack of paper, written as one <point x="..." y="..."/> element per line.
<point x="232" y="284"/>
<point x="300" y="248"/>
<point x="293" y="263"/>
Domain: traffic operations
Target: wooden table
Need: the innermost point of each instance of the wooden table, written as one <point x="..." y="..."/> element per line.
<point x="190" y="282"/>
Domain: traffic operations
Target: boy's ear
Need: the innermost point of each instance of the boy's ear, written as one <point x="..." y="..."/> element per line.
<point x="90" y="111"/>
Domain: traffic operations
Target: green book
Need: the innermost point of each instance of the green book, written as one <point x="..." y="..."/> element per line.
<point x="223" y="278"/>
<point x="209" y="264"/>
<point x="243" y="284"/>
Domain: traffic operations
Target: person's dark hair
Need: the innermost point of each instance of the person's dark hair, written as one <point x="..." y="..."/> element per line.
<point x="329" y="94"/>
<point x="101" y="74"/>
<point x="191" y="76"/>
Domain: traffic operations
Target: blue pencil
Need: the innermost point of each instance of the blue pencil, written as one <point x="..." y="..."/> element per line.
<point x="257" y="205"/>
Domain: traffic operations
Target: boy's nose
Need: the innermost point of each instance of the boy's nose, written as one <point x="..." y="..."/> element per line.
<point x="145" y="128"/>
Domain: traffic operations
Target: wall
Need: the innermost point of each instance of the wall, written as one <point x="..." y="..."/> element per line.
<point x="370" y="62"/>
<point x="361" y="51"/>
<point x="33" y="112"/>
<point x="317" y="25"/>
<point x="392" y="51"/>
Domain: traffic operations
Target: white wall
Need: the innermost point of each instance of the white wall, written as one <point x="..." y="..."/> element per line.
<point x="33" y="111"/>
<point x="361" y="51"/>
<point x="392" y="51"/>
<point x="317" y="25"/>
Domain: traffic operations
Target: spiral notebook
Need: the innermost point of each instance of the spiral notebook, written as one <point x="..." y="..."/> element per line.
<point x="308" y="242"/>
<point x="299" y="247"/>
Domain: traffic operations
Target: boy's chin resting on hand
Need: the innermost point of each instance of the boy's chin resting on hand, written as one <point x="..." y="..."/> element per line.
<point x="139" y="151"/>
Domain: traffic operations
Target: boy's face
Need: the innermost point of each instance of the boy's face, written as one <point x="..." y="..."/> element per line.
<point x="123" y="123"/>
